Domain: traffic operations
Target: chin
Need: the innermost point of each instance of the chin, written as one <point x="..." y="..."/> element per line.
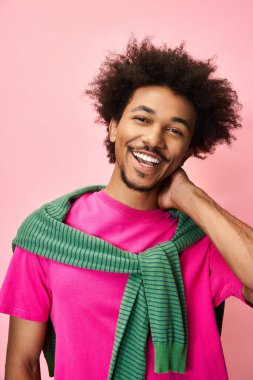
<point x="138" y="186"/>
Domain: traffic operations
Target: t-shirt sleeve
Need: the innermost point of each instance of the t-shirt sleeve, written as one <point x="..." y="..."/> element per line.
<point x="25" y="292"/>
<point x="224" y="282"/>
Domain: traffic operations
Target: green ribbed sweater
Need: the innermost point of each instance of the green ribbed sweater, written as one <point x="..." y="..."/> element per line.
<point x="154" y="294"/>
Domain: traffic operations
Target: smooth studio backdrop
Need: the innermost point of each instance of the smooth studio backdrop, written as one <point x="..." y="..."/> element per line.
<point x="50" y="144"/>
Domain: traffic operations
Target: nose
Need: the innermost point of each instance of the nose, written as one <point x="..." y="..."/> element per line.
<point x="153" y="137"/>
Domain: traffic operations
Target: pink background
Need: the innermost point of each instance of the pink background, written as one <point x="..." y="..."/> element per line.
<point x="50" y="143"/>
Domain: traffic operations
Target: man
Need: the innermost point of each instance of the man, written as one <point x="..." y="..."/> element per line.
<point x="161" y="107"/>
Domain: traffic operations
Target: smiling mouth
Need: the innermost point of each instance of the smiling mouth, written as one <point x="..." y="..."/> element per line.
<point x="146" y="160"/>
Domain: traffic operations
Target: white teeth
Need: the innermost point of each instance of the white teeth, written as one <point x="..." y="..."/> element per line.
<point x="145" y="157"/>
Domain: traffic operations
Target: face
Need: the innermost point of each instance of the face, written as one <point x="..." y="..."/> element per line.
<point x="152" y="138"/>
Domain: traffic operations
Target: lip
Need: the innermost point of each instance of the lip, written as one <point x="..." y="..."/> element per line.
<point x="141" y="167"/>
<point x="150" y="154"/>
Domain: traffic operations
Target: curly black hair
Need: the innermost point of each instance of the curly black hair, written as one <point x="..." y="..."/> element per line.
<point x="143" y="64"/>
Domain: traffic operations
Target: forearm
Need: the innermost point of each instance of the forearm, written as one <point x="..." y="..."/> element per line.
<point x="232" y="237"/>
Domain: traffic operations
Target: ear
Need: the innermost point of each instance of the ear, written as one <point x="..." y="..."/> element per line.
<point x="113" y="127"/>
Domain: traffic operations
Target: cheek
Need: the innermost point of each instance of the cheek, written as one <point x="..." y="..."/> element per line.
<point x="120" y="149"/>
<point x="117" y="151"/>
<point x="177" y="154"/>
<point x="177" y="150"/>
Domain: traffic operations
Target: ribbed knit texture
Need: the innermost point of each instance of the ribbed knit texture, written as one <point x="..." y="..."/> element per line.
<point x="154" y="294"/>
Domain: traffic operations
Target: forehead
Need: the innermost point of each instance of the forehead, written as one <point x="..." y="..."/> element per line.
<point x="163" y="101"/>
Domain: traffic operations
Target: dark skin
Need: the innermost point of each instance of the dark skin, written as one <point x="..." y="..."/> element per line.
<point x="25" y="342"/>
<point x="157" y="136"/>
<point x="163" y="130"/>
<point x="164" y="138"/>
<point x="235" y="243"/>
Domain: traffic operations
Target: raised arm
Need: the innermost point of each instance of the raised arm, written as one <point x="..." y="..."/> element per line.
<point x="232" y="237"/>
<point x="25" y="343"/>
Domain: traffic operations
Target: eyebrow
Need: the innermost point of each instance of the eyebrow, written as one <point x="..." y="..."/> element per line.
<point x="152" y="112"/>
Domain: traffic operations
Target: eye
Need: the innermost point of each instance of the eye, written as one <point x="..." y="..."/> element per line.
<point x="142" y="119"/>
<point x="175" y="131"/>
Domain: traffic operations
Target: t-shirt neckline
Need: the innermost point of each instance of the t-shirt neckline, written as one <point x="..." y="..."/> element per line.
<point x="130" y="211"/>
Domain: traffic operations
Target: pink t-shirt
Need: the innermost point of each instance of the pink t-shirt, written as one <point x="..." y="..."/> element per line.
<point x="84" y="303"/>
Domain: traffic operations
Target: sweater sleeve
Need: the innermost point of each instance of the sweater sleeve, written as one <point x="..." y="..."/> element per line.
<point x="224" y="282"/>
<point x="25" y="292"/>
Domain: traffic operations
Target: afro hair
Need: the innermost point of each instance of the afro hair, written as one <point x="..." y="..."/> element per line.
<point x="143" y="64"/>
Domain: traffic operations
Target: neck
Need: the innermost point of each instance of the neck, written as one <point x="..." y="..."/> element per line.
<point x="139" y="200"/>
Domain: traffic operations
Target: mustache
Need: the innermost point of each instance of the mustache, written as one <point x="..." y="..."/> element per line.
<point x="148" y="148"/>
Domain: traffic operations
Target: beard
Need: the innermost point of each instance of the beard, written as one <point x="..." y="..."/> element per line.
<point x="136" y="187"/>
